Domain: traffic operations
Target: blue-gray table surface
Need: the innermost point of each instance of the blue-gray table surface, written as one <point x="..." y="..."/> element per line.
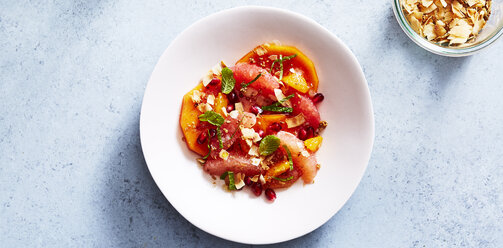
<point x="72" y="173"/>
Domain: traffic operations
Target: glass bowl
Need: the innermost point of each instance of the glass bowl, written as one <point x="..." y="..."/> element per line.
<point x="487" y="36"/>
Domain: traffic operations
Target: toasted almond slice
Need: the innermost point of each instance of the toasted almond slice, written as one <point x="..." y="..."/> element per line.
<point x="439" y="29"/>
<point x="429" y="31"/>
<point x="429" y="9"/>
<point x="426" y="3"/>
<point x="416" y="25"/>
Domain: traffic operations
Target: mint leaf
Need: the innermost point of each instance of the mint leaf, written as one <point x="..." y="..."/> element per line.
<point x="232" y="185"/>
<point x="222" y="177"/>
<point x="228" y="80"/>
<point x="212" y="117"/>
<point x="286" y="98"/>
<point x="219" y="135"/>
<point x="255" y="79"/>
<point x="280" y="62"/>
<point x="273" y="108"/>
<point x="290" y="161"/>
<point x="277" y="107"/>
<point x="283" y="179"/>
<point x="268" y="145"/>
<point x="209" y="147"/>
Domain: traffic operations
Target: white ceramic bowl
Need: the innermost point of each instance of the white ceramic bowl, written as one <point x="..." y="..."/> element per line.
<point x="240" y="216"/>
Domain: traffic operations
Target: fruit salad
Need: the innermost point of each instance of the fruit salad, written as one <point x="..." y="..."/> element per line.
<point x="256" y="123"/>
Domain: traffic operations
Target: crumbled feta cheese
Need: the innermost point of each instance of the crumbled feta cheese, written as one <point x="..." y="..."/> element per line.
<point x="292" y="70"/>
<point x="207" y="78"/>
<point x="223" y="154"/>
<point x="234" y="114"/>
<point x="280" y="96"/>
<point x="247" y="133"/>
<point x="262" y="179"/>
<point x="295" y="121"/>
<point x="253" y="151"/>
<point x="300" y="144"/>
<point x="196" y="96"/>
<point x="224" y="111"/>
<point x="217" y="69"/>
<point x="250" y="134"/>
<point x="254" y="178"/>
<point x="203" y="107"/>
<point x="273" y="57"/>
<point x="255" y="161"/>
<point x="239" y="180"/>
<point x="239" y="107"/>
<point x="305" y="153"/>
<point x="210" y="99"/>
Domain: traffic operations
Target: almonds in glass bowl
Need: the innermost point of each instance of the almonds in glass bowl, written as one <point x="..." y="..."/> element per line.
<point x="450" y="23"/>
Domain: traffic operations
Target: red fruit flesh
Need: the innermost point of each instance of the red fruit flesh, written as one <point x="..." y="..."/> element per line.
<point x="214" y="81"/>
<point x="244" y="73"/>
<point x="302" y="159"/>
<point x="277" y="184"/>
<point x="230" y="134"/>
<point x="302" y="104"/>
<point x="235" y="163"/>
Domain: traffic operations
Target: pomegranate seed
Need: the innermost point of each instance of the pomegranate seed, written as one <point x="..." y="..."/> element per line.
<point x="214" y="81"/>
<point x="232" y="97"/>
<point x="302" y="134"/>
<point x="318" y="97"/>
<point x="270" y="194"/>
<point x="248" y="181"/>
<point x="261" y="133"/>
<point x="256" y="110"/>
<point x="230" y="107"/>
<point x="201" y="139"/>
<point x="306" y="133"/>
<point x="256" y="189"/>
<point x="310" y="132"/>
<point x="274" y="128"/>
<point x="213" y="132"/>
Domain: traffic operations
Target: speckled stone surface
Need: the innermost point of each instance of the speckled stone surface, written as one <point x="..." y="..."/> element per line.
<point x="72" y="174"/>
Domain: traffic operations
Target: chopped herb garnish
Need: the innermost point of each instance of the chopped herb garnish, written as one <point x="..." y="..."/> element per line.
<point x="231" y="186"/>
<point x="268" y="145"/>
<point x="277" y="109"/>
<point x="228" y="81"/>
<point x="209" y="147"/>
<point x="283" y="179"/>
<point x="290" y="162"/>
<point x="222" y="177"/>
<point x="243" y="85"/>
<point x="213" y="118"/>
<point x="286" y="99"/>
<point x="280" y="62"/>
<point x="219" y="136"/>
<point x="237" y="128"/>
